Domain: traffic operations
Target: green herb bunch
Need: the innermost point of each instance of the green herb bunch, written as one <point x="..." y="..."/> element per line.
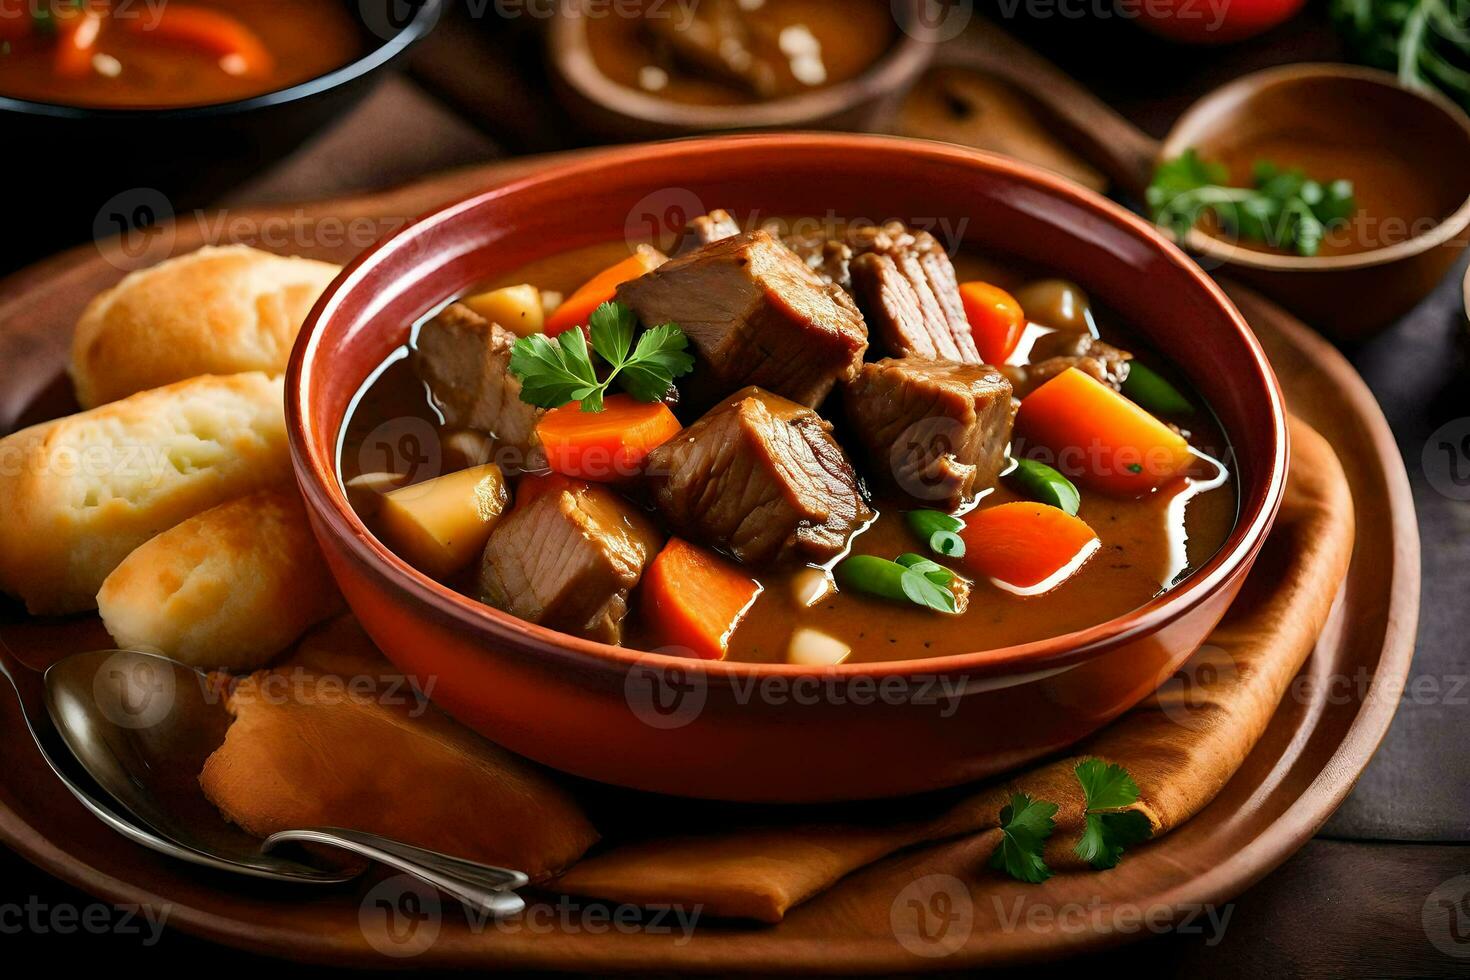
<point x="1427" y="42"/>
<point x="1284" y="208"/>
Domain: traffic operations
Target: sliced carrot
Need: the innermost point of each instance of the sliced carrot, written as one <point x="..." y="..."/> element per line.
<point x="694" y="599"/>
<point x="532" y="485"/>
<point x="576" y="308"/>
<point x="605" y="446"/>
<point x="77" y="35"/>
<point x="239" y="49"/>
<point x="996" y="320"/>
<point x="1026" y="547"/>
<point x="1101" y="438"/>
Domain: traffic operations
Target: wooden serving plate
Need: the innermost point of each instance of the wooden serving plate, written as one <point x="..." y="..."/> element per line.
<point x="1315" y="748"/>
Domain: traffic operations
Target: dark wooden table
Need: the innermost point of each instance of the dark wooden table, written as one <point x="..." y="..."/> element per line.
<point x="1351" y="902"/>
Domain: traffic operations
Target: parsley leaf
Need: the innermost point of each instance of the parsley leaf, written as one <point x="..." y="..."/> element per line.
<point x="1025" y="825"/>
<point x="1283" y="208"/>
<point x="555" y="372"/>
<point x="1108" y="790"/>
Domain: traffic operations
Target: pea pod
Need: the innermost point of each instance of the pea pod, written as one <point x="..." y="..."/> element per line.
<point x="1041" y="483"/>
<point x="1149" y="390"/>
<point x="938" y="530"/>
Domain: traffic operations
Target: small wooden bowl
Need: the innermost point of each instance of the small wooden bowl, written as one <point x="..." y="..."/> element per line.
<point x="1416" y="136"/>
<point x="616" y="112"/>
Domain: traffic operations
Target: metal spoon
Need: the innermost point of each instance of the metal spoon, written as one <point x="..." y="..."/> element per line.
<point x="142" y="725"/>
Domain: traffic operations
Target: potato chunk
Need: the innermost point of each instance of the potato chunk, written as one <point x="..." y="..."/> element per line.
<point x="516" y="308"/>
<point x="441" y="525"/>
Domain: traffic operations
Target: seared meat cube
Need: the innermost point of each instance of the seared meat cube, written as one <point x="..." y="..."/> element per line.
<point x="1053" y="353"/>
<point x="464" y="360"/>
<point x="567" y="559"/>
<point x="760" y="477"/>
<point x="755" y="315"/>
<point x="909" y="294"/>
<point x="712" y="227"/>
<point x="937" y="430"/>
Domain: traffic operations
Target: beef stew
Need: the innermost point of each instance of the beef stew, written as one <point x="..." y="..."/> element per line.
<point x="808" y="492"/>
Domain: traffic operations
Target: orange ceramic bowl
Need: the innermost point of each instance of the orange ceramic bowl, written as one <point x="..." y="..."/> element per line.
<point x="757" y="732"/>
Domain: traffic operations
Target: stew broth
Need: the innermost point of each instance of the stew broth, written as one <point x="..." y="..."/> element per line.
<point x="96" y="53"/>
<point x="1147" y="544"/>
<point x="793" y="46"/>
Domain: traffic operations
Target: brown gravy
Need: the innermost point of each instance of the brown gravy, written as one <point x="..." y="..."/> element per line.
<point x="811" y="44"/>
<point x="1148" y="544"/>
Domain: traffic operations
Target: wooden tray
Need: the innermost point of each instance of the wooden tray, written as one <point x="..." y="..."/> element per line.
<point x="1304" y="766"/>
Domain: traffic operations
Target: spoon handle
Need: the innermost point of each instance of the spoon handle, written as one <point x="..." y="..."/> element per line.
<point x="479" y="886"/>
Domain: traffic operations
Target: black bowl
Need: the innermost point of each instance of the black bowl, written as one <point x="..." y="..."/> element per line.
<point x="97" y="172"/>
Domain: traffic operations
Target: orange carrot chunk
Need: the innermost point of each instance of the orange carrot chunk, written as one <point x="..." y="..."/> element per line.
<point x="1025" y="547"/>
<point x="1101" y="438"/>
<point x="601" y="288"/>
<point x="996" y="320"/>
<point x="605" y="446"/>
<point x="693" y="599"/>
<point x="239" y="49"/>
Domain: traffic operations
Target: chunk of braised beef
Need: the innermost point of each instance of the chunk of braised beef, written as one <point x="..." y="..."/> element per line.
<point x="909" y="293"/>
<point x="936" y="430"/>
<point x="464" y="361"/>
<point x="762" y="478"/>
<point x="754" y="315"/>
<point x="1055" y="352"/>
<point x="567" y="559"/>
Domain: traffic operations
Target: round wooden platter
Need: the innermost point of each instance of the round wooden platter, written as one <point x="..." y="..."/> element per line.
<point x="1318" y="743"/>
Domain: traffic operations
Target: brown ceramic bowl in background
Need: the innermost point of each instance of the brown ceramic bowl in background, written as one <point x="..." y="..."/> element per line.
<point x="776" y="732"/>
<point x="1418" y="137"/>
<point x="619" y="113"/>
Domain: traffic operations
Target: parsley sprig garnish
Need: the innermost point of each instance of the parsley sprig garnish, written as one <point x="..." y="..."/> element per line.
<point x="556" y="371"/>
<point x="1109" y="790"/>
<point x="1025" y="824"/>
<point x="1284" y="208"/>
<point x="1110" y="827"/>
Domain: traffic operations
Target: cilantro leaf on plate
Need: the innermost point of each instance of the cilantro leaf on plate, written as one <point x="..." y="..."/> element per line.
<point x="1025" y="825"/>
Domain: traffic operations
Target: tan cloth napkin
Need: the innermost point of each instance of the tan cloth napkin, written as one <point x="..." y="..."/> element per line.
<point x="1181" y="746"/>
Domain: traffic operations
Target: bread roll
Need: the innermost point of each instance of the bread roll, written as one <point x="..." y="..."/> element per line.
<point x="227" y="589"/>
<point x="214" y="311"/>
<point x="83" y="491"/>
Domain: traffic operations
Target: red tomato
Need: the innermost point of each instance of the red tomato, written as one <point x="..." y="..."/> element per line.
<point x="1214" y="21"/>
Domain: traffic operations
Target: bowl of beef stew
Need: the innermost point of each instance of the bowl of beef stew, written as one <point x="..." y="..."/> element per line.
<point x="871" y="467"/>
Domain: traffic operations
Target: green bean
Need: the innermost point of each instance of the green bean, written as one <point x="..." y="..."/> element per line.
<point x="890" y="580"/>
<point x="1149" y="389"/>
<point x="1041" y="483"/>
<point x="938" y="530"/>
<point x="871" y="574"/>
<point x="931" y="570"/>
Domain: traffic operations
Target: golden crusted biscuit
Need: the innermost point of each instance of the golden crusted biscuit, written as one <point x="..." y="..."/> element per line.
<point x="83" y="491"/>
<point x="227" y="589"/>
<point x="214" y="311"/>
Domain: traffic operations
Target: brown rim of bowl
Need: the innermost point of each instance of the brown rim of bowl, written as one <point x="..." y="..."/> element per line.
<point x="1178" y="140"/>
<point x="572" y="58"/>
<point x="317" y="476"/>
